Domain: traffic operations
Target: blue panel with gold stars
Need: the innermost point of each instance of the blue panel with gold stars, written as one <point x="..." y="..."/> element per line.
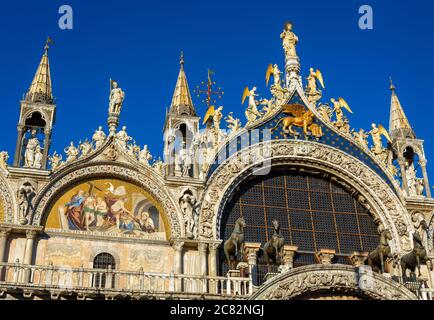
<point x="273" y="130"/>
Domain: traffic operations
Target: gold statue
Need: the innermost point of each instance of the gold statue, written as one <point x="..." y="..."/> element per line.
<point x="376" y="134"/>
<point x="252" y="112"/>
<point x="314" y="76"/>
<point x="361" y="137"/>
<point x="338" y="105"/>
<point x="215" y="115"/>
<point x="301" y="118"/>
<point x="289" y="41"/>
<point x="273" y="70"/>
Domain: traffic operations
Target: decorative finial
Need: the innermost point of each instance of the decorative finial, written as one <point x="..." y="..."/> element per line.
<point x="47" y="44"/>
<point x="392" y="87"/>
<point x="181" y="59"/>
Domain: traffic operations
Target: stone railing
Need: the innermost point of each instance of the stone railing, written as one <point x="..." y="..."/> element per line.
<point x="55" y="281"/>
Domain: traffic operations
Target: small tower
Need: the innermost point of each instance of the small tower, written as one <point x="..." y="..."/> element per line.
<point x="180" y="129"/>
<point x="409" y="151"/>
<point x="37" y="116"/>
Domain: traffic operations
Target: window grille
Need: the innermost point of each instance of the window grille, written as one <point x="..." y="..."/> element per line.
<point x="314" y="213"/>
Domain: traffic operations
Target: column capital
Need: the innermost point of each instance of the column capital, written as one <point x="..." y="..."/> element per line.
<point x="325" y="256"/>
<point x="5" y="232"/>
<point x="202" y="247"/>
<point x="358" y="259"/>
<point x="177" y="245"/>
<point x="31" y="234"/>
<point x="213" y="246"/>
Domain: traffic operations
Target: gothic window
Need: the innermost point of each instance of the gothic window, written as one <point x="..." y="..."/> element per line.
<point x="103" y="262"/>
<point x="314" y="213"/>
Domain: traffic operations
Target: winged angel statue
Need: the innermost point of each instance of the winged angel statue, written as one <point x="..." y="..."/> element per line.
<point x="252" y="112"/>
<point x="313" y="78"/>
<point x="338" y="105"/>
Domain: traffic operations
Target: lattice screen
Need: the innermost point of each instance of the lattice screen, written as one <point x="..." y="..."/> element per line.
<point x="314" y="214"/>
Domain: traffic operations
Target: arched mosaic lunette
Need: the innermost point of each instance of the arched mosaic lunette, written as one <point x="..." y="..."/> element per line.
<point x="149" y="181"/>
<point x="377" y="192"/>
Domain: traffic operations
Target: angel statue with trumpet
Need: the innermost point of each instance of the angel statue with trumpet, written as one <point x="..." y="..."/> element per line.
<point x="313" y="78"/>
<point x="338" y="105"/>
<point x="252" y="112"/>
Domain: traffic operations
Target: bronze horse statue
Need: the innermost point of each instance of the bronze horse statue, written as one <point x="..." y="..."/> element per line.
<point x="273" y="250"/>
<point x="377" y="257"/>
<point x="233" y="247"/>
<point x="415" y="258"/>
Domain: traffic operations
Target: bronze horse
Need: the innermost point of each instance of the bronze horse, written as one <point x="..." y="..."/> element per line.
<point x="415" y="258"/>
<point x="377" y="257"/>
<point x="233" y="247"/>
<point x="273" y="249"/>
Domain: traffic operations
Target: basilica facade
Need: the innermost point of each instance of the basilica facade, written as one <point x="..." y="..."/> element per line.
<point x="289" y="203"/>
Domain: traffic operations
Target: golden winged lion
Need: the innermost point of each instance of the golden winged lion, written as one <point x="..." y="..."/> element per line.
<point x="300" y="118"/>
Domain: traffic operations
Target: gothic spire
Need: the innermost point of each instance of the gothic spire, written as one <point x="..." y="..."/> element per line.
<point x="181" y="101"/>
<point x="41" y="89"/>
<point x="399" y="125"/>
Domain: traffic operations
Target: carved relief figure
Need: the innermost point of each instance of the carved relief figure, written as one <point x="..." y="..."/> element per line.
<point x="26" y="194"/>
<point x="189" y="208"/>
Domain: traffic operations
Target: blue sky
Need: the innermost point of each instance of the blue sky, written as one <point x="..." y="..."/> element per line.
<point x="138" y="43"/>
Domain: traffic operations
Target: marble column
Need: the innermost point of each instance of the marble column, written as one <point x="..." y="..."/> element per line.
<point x="203" y="250"/>
<point x="178" y="263"/>
<point x="4" y="234"/>
<point x="28" y="252"/>
<point x="212" y="265"/>
<point x="422" y="164"/>
<point x="19" y="145"/>
<point x="47" y="143"/>
<point x="402" y="162"/>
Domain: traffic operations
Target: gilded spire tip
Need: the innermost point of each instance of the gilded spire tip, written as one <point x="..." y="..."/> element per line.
<point x="392" y="87"/>
<point x="181" y="59"/>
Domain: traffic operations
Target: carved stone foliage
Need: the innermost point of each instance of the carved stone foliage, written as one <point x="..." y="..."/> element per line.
<point x="8" y="202"/>
<point x="384" y="204"/>
<point x="145" y="180"/>
<point x="339" y="279"/>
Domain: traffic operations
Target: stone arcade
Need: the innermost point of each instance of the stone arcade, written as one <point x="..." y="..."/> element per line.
<point x="340" y="213"/>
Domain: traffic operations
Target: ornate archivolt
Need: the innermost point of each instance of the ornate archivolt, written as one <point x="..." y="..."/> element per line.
<point x="145" y="178"/>
<point x="374" y="191"/>
<point x="307" y="281"/>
